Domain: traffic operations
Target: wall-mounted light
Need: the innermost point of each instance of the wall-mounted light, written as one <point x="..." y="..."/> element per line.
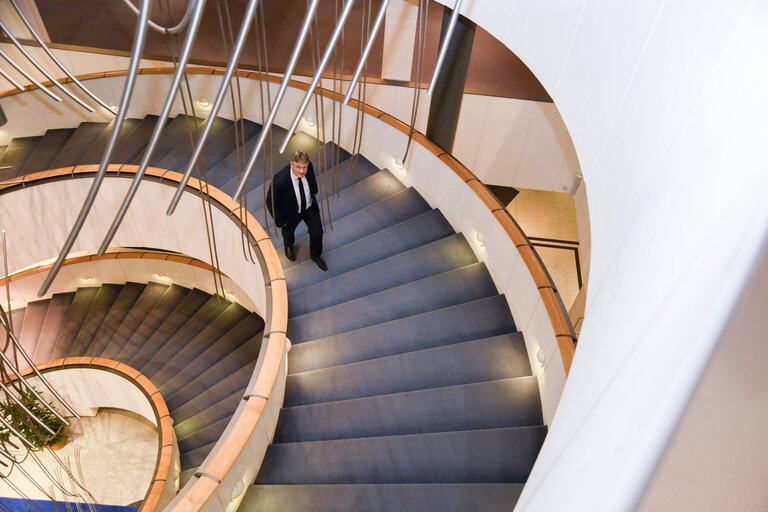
<point x="13" y="301"/>
<point x="400" y="165"/>
<point x="237" y="490"/>
<point x="480" y="239"/>
<point x="309" y="121"/>
<point x="203" y="102"/>
<point x="87" y="279"/>
<point x="288" y="345"/>
<point x="162" y="276"/>
<point x="230" y="296"/>
<point x="540" y="357"/>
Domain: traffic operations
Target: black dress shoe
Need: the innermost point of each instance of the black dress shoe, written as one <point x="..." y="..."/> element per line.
<point x="289" y="253"/>
<point x="320" y="263"/>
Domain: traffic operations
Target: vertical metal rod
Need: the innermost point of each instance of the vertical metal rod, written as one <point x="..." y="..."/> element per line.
<point x="29" y="77"/>
<point x="364" y="56"/>
<point x="318" y="74"/>
<point x="178" y="75"/>
<point x="444" y="48"/>
<point x="42" y="70"/>
<point x="58" y="62"/>
<point x="7" y="282"/>
<point x="138" y="47"/>
<point x="265" y="130"/>
<point x="241" y="37"/>
<point x="26" y="410"/>
<point x="10" y="79"/>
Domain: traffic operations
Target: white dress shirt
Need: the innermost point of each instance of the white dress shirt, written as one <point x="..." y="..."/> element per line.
<point x="307" y="195"/>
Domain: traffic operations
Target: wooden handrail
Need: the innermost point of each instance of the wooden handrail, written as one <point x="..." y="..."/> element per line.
<point x="276" y="321"/>
<point x="113" y="254"/>
<point x="159" y="407"/>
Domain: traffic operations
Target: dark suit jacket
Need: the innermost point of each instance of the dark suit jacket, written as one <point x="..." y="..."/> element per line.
<point x="286" y="206"/>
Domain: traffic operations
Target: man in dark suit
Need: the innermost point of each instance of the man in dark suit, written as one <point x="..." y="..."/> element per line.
<point x="295" y="188"/>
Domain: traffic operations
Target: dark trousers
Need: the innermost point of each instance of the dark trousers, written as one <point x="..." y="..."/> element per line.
<point x="311" y="218"/>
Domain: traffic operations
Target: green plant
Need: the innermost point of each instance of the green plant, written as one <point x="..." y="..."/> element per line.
<point x="29" y="429"/>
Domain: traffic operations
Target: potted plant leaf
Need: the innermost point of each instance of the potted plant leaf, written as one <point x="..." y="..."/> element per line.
<point x="15" y="415"/>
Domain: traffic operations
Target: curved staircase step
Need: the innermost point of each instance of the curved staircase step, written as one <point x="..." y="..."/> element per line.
<point x="78" y="310"/>
<point x="16" y="155"/>
<point x="498" y="357"/>
<point x="34" y="317"/>
<point x="178" y="157"/>
<point x="174" y="133"/>
<point x="453" y="497"/>
<point x="511" y="402"/>
<point x="129" y="294"/>
<point x="477" y="456"/>
<point x="490" y="317"/>
<point x="95" y="152"/>
<point x="427" y="260"/>
<point x="463" y="284"/>
<point x="78" y="144"/>
<point x="54" y="320"/>
<point x="408" y="234"/>
<point x="52" y="142"/>
<point x="99" y="310"/>
<point x="133" y="144"/>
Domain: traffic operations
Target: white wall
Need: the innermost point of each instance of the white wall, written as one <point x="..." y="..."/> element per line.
<point x="665" y="104"/>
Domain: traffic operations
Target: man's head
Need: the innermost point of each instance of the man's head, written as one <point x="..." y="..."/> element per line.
<point x="299" y="163"/>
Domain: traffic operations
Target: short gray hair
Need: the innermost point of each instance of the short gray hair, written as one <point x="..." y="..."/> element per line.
<point x="300" y="156"/>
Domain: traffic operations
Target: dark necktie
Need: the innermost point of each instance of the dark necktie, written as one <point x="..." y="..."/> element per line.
<point x="302" y="196"/>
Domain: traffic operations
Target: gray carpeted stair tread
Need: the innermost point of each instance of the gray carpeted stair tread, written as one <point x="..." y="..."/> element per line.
<point x="100" y="307"/>
<point x="245" y="330"/>
<point x="220" y="402"/>
<point x="512" y="402"/>
<point x="338" y="178"/>
<point x="129" y="294"/>
<point x="78" y="144"/>
<point x="192" y="460"/>
<point x="427" y="260"/>
<point x="224" y="145"/>
<point x="17" y="321"/>
<point x="151" y="293"/>
<point x="96" y="152"/>
<point x="54" y="320"/>
<point x="300" y="141"/>
<point x="52" y="142"/>
<point x="208" y="432"/>
<point x="152" y="320"/>
<point x="413" y="232"/>
<point x="490" y="317"/>
<point x="168" y="326"/>
<point x="453" y="497"/>
<point x="154" y="359"/>
<point x="34" y="317"/>
<point x="178" y="157"/>
<point x="476" y="456"/>
<point x="330" y="155"/>
<point x="222" y="378"/>
<point x="133" y="145"/>
<point x="387" y="212"/>
<point x="498" y="357"/>
<point x="463" y="284"/>
<point x="176" y="365"/>
<point x="226" y="170"/>
<point x="78" y="310"/>
<point x="173" y="134"/>
<point x="16" y="156"/>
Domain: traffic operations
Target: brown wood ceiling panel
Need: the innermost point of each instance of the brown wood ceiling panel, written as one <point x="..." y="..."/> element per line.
<point x="109" y="25"/>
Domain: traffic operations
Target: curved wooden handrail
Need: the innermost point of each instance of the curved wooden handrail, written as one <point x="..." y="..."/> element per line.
<point x="159" y="407"/>
<point x="276" y="321"/>
<point x="113" y="254"/>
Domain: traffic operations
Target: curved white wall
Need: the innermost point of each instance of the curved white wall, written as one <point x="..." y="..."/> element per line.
<point x="666" y="107"/>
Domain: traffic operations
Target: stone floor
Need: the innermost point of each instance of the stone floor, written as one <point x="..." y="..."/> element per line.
<point x="112" y="454"/>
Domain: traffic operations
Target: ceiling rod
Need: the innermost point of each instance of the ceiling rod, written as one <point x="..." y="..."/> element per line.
<point x="42" y="70"/>
<point x="444" y="48"/>
<point x="58" y="62"/>
<point x="281" y="92"/>
<point x="364" y="56"/>
<point x="172" y="92"/>
<point x="318" y="73"/>
<point x="241" y="37"/>
<point x="29" y="77"/>
<point x="138" y="47"/>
